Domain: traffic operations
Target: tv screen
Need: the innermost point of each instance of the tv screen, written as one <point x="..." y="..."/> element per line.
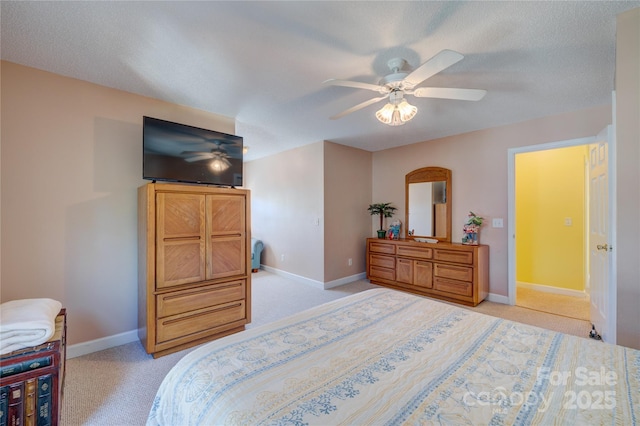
<point x="180" y="153"/>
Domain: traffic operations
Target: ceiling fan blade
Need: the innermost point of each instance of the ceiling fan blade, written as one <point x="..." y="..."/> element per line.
<point x="203" y="156"/>
<point x="359" y="106"/>
<point x="356" y="85"/>
<point x="433" y="66"/>
<point x="450" y="93"/>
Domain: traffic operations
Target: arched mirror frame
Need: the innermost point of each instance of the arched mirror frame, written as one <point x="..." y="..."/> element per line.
<point x="429" y="174"/>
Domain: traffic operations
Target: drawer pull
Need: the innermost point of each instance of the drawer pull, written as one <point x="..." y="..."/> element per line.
<point x="195" y="238"/>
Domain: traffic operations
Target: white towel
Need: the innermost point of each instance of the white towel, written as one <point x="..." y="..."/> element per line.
<point x="27" y="322"/>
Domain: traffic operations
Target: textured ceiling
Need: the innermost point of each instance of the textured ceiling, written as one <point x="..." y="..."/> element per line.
<point x="264" y="62"/>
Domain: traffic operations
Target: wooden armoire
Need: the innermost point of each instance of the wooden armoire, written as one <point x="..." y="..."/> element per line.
<point x="194" y="272"/>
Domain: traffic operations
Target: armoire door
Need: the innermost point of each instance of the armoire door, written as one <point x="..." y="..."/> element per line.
<point x="180" y="239"/>
<point x="226" y="242"/>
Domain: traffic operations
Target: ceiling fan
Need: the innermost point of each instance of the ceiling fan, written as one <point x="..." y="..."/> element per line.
<point x="399" y="83"/>
<point x="218" y="156"/>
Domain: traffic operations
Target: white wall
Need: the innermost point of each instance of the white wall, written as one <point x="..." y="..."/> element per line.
<point x="628" y="177"/>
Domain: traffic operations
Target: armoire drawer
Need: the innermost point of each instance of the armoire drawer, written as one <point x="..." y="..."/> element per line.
<point x="182" y="325"/>
<point x="382" y="261"/>
<point x="455" y="256"/>
<point x="178" y="302"/>
<point x="413" y="251"/>
<point x="461" y="273"/>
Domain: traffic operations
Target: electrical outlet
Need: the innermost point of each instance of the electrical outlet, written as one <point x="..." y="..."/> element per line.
<point x="350" y="262"/>
<point x="282" y="257"/>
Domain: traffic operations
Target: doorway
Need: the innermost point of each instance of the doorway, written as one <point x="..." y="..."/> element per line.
<point x="551" y="218"/>
<point x="603" y="283"/>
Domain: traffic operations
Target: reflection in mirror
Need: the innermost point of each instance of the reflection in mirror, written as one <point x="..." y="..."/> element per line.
<point x="427" y="209"/>
<point x="428" y="203"/>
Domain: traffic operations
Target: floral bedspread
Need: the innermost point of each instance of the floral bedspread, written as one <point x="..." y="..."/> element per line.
<point x="387" y="357"/>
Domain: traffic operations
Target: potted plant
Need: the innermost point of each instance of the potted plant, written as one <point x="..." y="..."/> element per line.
<point x="384" y="210"/>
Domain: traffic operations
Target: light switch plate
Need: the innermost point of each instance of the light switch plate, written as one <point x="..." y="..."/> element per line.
<point x="497" y="222"/>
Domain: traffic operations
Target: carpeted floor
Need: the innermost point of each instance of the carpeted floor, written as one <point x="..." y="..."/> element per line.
<point x="557" y="304"/>
<point x="117" y="386"/>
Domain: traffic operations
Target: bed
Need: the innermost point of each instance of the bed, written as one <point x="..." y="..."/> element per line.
<point x="388" y="357"/>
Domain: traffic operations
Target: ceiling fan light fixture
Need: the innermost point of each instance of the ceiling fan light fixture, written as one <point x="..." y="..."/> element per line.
<point x="396" y="114"/>
<point x="385" y="113"/>
<point x="407" y="111"/>
<point x="219" y="164"/>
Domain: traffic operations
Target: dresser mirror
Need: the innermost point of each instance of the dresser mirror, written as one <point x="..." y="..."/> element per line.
<point x="428" y="203"/>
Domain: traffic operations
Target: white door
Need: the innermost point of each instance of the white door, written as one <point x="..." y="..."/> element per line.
<point x="599" y="246"/>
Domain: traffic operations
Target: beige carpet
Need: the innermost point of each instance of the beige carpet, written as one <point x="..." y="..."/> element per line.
<point x="117" y="386"/>
<point x="557" y="304"/>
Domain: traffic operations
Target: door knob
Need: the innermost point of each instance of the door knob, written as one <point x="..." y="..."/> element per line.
<point x="604" y="247"/>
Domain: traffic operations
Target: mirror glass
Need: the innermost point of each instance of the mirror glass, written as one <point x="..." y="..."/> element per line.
<point x="428" y="203"/>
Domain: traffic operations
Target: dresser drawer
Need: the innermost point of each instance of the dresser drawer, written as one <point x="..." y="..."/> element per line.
<point x="384" y="273"/>
<point x="177" y="302"/>
<point x="453" y="256"/>
<point x="179" y="326"/>
<point x="461" y="273"/>
<point x="383" y="261"/>
<point x="386" y="248"/>
<point x="414" y="251"/>
<point x="452" y="286"/>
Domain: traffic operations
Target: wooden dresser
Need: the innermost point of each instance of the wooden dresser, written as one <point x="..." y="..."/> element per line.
<point x="194" y="271"/>
<point x="454" y="272"/>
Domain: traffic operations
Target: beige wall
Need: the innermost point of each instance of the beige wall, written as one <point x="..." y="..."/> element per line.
<point x="628" y="177"/>
<point x="71" y="163"/>
<point x="347" y="194"/>
<point x="309" y="204"/>
<point x="478" y="161"/>
<point x="287" y="200"/>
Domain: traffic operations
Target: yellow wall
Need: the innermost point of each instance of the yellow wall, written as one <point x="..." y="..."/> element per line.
<point x="550" y="189"/>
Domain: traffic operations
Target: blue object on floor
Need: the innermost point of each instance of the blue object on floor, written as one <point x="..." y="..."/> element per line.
<point x="256" y="250"/>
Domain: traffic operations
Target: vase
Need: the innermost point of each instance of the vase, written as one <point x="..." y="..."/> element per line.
<point x="382" y="233"/>
<point x="470" y="238"/>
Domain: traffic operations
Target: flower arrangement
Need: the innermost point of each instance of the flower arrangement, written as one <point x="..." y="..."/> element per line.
<point x="471" y="229"/>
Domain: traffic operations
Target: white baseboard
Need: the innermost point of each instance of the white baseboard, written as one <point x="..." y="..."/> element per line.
<point x="345" y="280"/>
<point x="498" y="298"/>
<point x="314" y="283"/>
<point x="294" y="277"/>
<point x="103" y="343"/>
<point x="550" y="289"/>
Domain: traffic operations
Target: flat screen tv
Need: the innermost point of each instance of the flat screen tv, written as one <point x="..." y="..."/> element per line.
<point x="180" y="153"/>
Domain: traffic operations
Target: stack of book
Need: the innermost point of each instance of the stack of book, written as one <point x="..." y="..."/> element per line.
<point x="31" y="381"/>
